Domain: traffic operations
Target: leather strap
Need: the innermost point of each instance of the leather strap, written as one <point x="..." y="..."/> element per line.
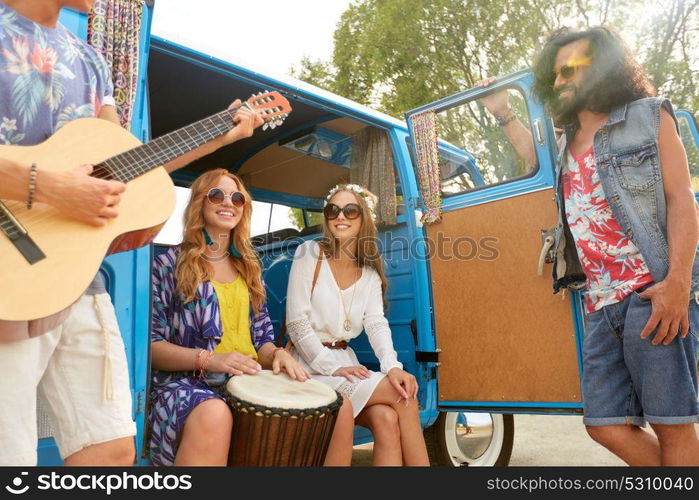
<point x="282" y="329"/>
<point x="317" y="271"/>
<point x="342" y="344"/>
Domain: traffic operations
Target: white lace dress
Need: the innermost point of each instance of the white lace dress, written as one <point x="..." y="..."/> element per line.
<point x="312" y="320"/>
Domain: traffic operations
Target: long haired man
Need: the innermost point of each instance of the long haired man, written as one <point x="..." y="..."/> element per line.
<point x="628" y="231"/>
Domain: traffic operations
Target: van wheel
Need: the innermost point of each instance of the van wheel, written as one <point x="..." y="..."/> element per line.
<point x="460" y="439"/>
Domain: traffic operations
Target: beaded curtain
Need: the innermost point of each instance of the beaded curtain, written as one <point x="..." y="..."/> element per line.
<point x="372" y="167"/>
<point x="425" y="134"/>
<point x="114" y="29"/>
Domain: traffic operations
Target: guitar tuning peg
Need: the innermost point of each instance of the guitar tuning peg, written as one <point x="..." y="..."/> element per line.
<point x="265" y="126"/>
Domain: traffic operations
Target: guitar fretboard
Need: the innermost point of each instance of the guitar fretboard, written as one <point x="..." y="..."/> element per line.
<point x="135" y="162"/>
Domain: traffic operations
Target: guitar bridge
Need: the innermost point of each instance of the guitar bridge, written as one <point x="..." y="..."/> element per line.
<point x="19" y="236"/>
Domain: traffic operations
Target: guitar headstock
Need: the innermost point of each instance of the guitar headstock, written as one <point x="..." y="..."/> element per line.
<point x="272" y="106"/>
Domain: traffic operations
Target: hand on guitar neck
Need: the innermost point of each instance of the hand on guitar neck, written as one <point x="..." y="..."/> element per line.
<point x="92" y="200"/>
<point x="246" y="121"/>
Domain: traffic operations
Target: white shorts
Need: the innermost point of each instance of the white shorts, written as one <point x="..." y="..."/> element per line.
<point x="88" y="393"/>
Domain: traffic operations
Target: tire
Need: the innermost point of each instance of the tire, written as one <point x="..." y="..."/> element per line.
<point x="489" y="444"/>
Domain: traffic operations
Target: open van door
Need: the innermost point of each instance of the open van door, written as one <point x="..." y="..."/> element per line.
<point x="507" y="343"/>
<point x="689" y="133"/>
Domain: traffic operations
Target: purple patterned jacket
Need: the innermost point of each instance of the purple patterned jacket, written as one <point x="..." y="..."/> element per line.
<point x="195" y="324"/>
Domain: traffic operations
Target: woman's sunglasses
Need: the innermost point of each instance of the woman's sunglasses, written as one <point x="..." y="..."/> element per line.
<point x="351" y="211"/>
<point x="569" y="69"/>
<point x="216" y="197"/>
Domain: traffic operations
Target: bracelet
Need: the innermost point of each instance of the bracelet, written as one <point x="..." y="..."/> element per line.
<point x="197" y="361"/>
<point x="32" y="186"/>
<point x="202" y="372"/>
<point x="504" y="120"/>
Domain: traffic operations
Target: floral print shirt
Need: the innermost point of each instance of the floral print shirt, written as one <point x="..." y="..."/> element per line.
<point x="48" y="77"/>
<point x="612" y="263"/>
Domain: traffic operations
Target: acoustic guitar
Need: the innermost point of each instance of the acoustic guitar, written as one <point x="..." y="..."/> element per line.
<point x="47" y="260"/>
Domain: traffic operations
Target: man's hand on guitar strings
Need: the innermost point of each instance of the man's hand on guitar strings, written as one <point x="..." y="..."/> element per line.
<point x="246" y="121"/>
<point x="78" y="195"/>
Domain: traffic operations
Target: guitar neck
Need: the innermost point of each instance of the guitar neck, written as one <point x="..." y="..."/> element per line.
<point x="142" y="159"/>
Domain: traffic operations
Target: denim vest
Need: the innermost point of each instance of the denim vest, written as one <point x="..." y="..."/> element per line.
<point x="628" y="162"/>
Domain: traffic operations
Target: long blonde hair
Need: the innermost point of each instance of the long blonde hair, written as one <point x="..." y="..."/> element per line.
<point x="367" y="250"/>
<point x="192" y="267"/>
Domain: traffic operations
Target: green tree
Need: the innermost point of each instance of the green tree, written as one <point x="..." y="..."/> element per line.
<point x="296" y="218"/>
<point x="396" y="55"/>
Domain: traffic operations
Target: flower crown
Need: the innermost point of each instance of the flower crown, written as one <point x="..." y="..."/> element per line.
<point x="369" y="197"/>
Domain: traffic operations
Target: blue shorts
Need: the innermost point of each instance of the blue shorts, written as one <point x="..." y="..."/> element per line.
<point x="626" y="379"/>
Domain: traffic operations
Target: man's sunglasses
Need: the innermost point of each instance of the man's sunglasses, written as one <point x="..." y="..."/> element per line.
<point x="216" y="196"/>
<point x="569" y="69"/>
<point x="351" y="211"/>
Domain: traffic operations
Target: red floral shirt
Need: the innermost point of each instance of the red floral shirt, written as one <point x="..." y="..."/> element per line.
<point x="612" y="263"/>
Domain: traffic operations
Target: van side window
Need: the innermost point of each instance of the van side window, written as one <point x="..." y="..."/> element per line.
<point x="272" y="223"/>
<point x="171" y="233"/>
<point x="692" y="148"/>
<point x="315" y="217"/>
<point x="475" y="150"/>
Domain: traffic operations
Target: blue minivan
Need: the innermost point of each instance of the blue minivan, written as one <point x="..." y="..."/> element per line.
<point x="470" y="301"/>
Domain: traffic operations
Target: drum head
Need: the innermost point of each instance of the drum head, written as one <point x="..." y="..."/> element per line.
<point x="279" y="391"/>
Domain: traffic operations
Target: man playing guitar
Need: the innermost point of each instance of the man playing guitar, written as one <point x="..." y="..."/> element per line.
<point x="48" y="76"/>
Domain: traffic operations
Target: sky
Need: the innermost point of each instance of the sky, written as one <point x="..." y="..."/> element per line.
<point x="269" y="37"/>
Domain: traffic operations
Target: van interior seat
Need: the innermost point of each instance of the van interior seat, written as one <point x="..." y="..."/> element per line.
<point x="276" y="266"/>
<point x="274" y="236"/>
<point x="311" y="230"/>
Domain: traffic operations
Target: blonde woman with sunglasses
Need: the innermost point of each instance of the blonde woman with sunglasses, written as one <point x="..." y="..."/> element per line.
<point x="336" y="290"/>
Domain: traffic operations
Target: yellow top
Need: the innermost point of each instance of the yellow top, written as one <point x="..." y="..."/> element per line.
<point x="234" y="303"/>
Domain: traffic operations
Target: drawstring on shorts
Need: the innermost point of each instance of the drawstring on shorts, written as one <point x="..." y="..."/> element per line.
<point x="108" y="385"/>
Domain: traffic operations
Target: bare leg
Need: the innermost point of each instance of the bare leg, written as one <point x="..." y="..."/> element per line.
<point x="632" y="444"/>
<point x="206" y="436"/>
<point x="340" y="447"/>
<point x="411" y="438"/>
<point x="382" y="420"/>
<point x="678" y="444"/>
<point x="119" y="452"/>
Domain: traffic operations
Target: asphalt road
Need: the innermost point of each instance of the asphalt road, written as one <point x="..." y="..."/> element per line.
<point x="542" y="440"/>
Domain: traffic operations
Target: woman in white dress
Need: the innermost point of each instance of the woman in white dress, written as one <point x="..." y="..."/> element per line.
<point x="336" y="290"/>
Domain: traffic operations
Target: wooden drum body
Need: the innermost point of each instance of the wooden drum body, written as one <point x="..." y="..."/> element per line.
<point x="280" y="422"/>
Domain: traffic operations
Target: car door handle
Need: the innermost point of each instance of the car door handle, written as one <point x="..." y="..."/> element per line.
<point x="548" y="243"/>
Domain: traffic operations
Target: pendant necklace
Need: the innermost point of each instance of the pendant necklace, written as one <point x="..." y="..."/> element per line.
<point x="347" y="324"/>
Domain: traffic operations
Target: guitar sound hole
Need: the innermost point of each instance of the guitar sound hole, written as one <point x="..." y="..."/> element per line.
<point x="102" y="172"/>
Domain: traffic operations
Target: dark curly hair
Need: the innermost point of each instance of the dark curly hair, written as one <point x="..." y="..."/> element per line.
<point x="614" y="77"/>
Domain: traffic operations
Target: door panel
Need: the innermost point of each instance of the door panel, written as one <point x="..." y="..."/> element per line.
<point x="503" y="335"/>
<point x="505" y="340"/>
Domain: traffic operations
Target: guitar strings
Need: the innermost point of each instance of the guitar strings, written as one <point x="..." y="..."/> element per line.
<point x="22" y="208"/>
<point x="136" y="167"/>
<point x="163" y="154"/>
<point x="31" y="217"/>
